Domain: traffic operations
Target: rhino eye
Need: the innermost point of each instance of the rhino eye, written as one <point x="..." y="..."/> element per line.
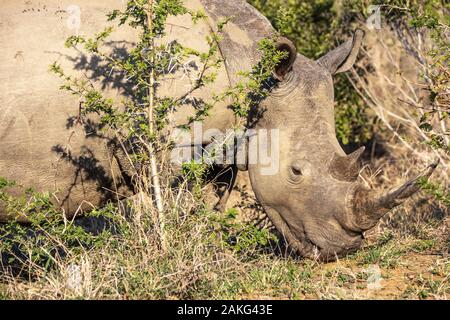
<point x="296" y="171"/>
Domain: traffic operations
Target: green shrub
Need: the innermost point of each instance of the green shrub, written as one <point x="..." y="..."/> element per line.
<point x="316" y="27"/>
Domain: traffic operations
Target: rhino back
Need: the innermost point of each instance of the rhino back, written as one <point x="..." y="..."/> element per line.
<point x="43" y="144"/>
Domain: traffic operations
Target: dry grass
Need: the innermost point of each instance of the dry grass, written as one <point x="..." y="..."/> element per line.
<point x="404" y="257"/>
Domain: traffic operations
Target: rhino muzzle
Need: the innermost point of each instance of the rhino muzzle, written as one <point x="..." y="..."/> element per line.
<point x="363" y="209"/>
<point x="351" y="210"/>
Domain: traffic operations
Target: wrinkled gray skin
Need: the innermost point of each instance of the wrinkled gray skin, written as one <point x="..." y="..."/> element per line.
<point x="314" y="200"/>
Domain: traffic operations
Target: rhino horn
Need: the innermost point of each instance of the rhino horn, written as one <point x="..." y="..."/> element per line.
<point x="346" y="168"/>
<point x="368" y="206"/>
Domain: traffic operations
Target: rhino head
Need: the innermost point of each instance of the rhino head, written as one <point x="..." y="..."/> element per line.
<point x="314" y="199"/>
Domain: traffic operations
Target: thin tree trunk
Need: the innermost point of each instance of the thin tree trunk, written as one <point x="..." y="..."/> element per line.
<point x="153" y="162"/>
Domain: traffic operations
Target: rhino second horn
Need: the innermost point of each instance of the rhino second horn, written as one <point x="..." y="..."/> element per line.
<point x="368" y="206"/>
<point x="355" y="155"/>
<point x="346" y="168"/>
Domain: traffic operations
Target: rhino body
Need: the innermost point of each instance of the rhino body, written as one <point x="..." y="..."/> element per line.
<point x="314" y="200"/>
<point x="43" y="143"/>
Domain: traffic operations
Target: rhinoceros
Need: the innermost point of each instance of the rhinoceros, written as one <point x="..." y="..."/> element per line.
<point x="314" y="199"/>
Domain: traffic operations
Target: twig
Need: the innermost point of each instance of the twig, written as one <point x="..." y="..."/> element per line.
<point x="153" y="163"/>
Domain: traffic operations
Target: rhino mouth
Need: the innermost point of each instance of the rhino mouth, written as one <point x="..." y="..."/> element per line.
<point x="334" y="245"/>
<point x="314" y="248"/>
<point x="324" y="246"/>
<point x="301" y="242"/>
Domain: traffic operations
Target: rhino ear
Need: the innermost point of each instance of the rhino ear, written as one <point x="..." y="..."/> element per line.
<point x="285" y="66"/>
<point x="343" y="57"/>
